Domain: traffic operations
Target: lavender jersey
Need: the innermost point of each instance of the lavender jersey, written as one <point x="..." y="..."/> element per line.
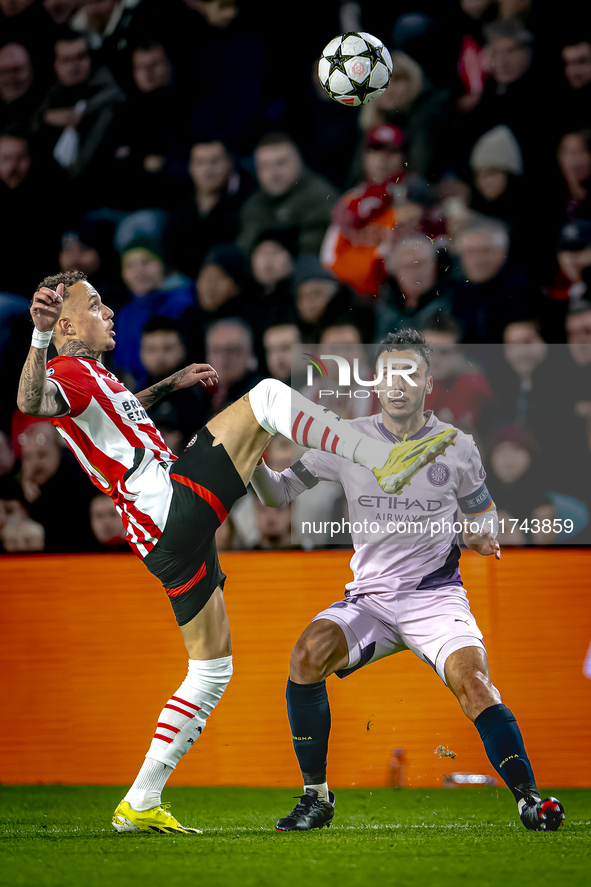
<point x="405" y="542"/>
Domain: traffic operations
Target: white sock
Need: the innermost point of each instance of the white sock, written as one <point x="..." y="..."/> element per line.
<point x="146" y="791"/>
<point x="279" y="409"/>
<point x="321" y="789"/>
<point x="180" y="723"/>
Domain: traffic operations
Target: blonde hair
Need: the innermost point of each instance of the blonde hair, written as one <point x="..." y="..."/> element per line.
<point x="403" y="68"/>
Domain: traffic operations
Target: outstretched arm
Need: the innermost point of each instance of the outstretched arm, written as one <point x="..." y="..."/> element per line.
<point x="37" y="395"/>
<point x="201" y="373"/>
<point x="277" y="489"/>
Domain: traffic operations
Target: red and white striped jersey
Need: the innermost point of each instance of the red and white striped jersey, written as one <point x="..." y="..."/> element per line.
<point x="117" y="445"/>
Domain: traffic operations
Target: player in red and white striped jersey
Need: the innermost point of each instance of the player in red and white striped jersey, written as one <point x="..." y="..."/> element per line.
<point x="171" y="507"/>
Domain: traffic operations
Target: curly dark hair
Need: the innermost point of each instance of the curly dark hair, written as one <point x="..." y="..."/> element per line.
<point x="405" y="339"/>
<point x="68" y="278"/>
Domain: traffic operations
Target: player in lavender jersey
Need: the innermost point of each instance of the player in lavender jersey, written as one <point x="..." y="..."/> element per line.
<point x="407" y="592"/>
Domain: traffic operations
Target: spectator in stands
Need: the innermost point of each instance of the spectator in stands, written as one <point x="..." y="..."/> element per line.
<point x="573" y="255"/>
<point x="221" y="30"/>
<point x="59" y="11"/>
<point x="413" y="294"/>
<point x="223" y="290"/>
<point x="364" y="218"/>
<point x="277" y="341"/>
<point x="25" y="22"/>
<point x="522" y="332"/>
<point x="272" y="266"/>
<point x="47" y="470"/>
<point x="501" y="191"/>
<point x="12" y="505"/>
<point x="578" y="324"/>
<point x="534" y="394"/>
<point x="574" y="163"/>
<point x="141" y="155"/>
<point x="163" y="351"/>
<point x="89" y="248"/>
<point x="210" y="215"/>
<point x="143" y="270"/>
<point x="272" y="260"/>
<point x="511" y="95"/>
<point x="19" y="95"/>
<point x="221" y="282"/>
<point x="289" y="195"/>
<point x="341" y="333"/>
<point x="492" y="292"/>
<point x="315" y="288"/>
<point x="74" y="119"/>
<point x="497" y="163"/>
<point x="6" y="455"/>
<point x="25" y="186"/>
<point x="471" y="17"/>
<point x="573" y="105"/>
<point x="229" y="347"/>
<point x="23" y="535"/>
<point x="514" y="478"/>
<point x="274" y="527"/>
<point x="577" y="64"/>
<point x="420" y="110"/>
<point x="461" y="391"/>
<point x="105" y="523"/>
<point x="328" y="137"/>
<point x="112" y="29"/>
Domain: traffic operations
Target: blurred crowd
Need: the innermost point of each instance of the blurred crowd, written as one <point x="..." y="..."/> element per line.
<point x="185" y="157"/>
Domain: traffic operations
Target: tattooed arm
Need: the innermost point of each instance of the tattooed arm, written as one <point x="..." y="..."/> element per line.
<point x="37" y="395"/>
<point x="191" y="375"/>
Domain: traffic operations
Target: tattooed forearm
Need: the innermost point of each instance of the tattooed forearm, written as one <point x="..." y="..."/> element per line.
<point x="36" y="395"/>
<point x="184" y="378"/>
<point x="76" y="348"/>
<point x="149" y="396"/>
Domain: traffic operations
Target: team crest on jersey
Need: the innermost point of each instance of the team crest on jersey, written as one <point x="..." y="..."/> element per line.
<point x="50" y="371"/>
<point x="191" y="442"/>
<point x="438" y="474"/>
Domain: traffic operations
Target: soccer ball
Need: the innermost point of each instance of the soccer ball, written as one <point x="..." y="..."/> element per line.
<point x="355" y="68"/>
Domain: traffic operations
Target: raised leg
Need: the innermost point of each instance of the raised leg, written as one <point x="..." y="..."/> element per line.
<point x="273" y="408"/>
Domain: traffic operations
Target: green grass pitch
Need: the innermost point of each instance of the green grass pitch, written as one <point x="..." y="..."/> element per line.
<point x="57" y="836"/>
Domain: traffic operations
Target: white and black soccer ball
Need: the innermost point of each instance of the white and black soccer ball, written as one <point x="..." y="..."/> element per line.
<point x="355" y="68"/>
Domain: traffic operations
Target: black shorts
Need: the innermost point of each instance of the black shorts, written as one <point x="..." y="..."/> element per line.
<point x="205" y="485"/>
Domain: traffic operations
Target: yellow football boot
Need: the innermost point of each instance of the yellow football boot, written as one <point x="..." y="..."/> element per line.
<point x="409" y="456"/>
<point x="156" y="819"/>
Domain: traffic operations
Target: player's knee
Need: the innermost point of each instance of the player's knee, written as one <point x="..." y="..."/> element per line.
<point x="478" y="693"/>
<point x="311" y="655"/>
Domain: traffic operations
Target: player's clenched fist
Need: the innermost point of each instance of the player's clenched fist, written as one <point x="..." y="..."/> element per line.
<point x="46" y="308"/>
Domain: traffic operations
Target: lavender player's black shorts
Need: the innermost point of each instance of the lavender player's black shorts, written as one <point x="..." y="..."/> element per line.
<point x="205" y="485"/>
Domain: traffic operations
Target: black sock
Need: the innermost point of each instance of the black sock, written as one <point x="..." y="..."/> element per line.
<point x="309" y="717"/>
<point x="504" y="746"/>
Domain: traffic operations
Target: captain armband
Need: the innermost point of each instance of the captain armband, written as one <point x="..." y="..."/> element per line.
<point x="479" y="508"/>
<point x="302" y="473"/>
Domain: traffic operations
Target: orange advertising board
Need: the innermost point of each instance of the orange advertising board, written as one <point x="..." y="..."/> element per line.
<point x="91" y="652"/>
